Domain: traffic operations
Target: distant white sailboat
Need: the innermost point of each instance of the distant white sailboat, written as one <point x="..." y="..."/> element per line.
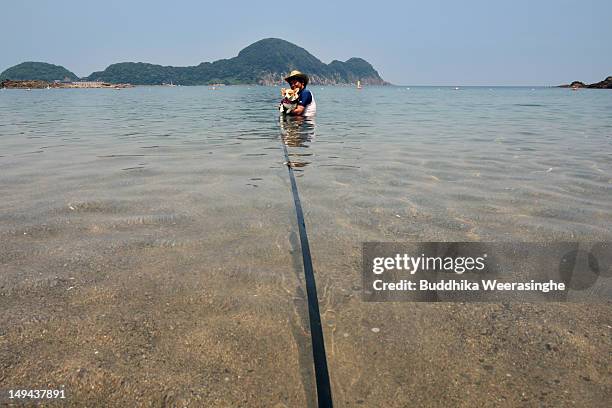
<point x="358" y="84"/>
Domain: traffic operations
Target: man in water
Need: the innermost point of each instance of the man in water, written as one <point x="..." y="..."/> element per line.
<point x="306" y="103"/>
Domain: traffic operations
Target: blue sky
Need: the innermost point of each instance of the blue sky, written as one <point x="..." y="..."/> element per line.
<point x="495" y="42"/>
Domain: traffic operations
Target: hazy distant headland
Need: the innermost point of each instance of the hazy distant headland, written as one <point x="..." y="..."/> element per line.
<point x="264" y="62"/>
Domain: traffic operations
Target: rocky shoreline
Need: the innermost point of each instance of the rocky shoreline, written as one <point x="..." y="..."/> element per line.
<point x="272" y="79"/>
<point x="37" y="84"/>
<point x="33" y="84"/>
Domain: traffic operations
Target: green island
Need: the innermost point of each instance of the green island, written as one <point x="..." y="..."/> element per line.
<point x="38" y="71"/>
<point x="264" y="62"/>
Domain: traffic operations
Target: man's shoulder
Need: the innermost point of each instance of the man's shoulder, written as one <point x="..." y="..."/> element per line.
<point x="305" y="97"/>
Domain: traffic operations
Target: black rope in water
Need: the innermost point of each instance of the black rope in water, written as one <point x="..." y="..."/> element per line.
<point x="324" y="395"/>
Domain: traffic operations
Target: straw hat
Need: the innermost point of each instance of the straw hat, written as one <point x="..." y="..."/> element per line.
<point x="297" y="75"/>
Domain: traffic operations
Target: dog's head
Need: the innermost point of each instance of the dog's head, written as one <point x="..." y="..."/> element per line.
<point x="288" y="93"/>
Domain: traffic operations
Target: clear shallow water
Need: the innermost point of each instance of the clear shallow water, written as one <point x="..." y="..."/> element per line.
<point x="155" y="226"/>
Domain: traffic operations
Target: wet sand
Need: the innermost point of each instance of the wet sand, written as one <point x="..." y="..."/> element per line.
<point x="153" y="309"/>
<point x="154" y="323"/>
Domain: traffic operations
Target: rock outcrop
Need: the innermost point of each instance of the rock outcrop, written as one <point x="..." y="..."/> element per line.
<point x="605" y="84"/>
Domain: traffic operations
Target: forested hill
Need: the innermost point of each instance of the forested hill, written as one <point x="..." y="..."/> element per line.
<point x="27" y="71"/>
<point x="264" y="62"/>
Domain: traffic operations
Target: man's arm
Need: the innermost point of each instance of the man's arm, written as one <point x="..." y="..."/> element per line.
<point x="305" y="100"/>
<point x="298" y="111"/>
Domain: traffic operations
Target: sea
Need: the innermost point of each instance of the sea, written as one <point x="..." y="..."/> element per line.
<point x="150" y="232"/>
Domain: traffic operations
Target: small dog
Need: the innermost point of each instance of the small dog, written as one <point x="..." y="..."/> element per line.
<point x="289" y="102"/>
